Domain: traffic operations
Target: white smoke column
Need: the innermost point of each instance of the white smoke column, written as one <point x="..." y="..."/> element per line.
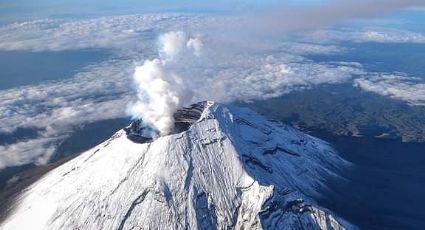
<point x="161" y="89"/>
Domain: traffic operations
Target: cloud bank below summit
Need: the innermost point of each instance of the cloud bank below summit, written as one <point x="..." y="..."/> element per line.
<point x="126" y="32"/>
<point x="102" y="91"/>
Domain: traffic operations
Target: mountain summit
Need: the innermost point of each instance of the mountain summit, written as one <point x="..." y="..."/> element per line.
<point x="223" y="167"/>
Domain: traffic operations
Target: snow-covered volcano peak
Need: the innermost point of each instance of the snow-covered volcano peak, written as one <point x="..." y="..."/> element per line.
<point x="227" y="168"/>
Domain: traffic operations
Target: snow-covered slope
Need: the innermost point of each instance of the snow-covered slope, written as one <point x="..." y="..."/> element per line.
<point x="231" y="168"/>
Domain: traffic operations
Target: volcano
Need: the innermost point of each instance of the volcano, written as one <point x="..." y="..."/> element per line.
<point x="223" y="167"/>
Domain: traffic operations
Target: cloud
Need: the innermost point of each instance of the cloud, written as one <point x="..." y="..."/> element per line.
<point x="305" y="48"/>
<point x="214" y="67"/>
<point x="182" y="76"/>
<point x="99" y="92"/>
<point x="378" y="35"/>
<point x="35" y="151"/>
<point x="191" y="70"/>
<point x="409" y="89"/>
<point x="102" y="91"/>
<point x="115" y="32"/>
<point x="391" y="37"/>
<point x="272" y="76"/>
<point x="64" y="100"/>
<point x="125" y="33"/>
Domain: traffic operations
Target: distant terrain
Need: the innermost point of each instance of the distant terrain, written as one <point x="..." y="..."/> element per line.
<point x="347" y="111"/>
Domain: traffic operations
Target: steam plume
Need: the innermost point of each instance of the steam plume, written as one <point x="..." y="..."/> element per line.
<point x="161" y="88"/>
<point x="166" y="83"/>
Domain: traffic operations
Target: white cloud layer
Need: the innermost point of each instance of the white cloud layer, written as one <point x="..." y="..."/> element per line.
<point x="216" y="69"/>
<point x="56" y="108"/>
<point x="378" y="35"/>
<point x="115" y="32"/>
<point x="409" y="89"/>
<point x="391" y="37"/>
<point x="126" y="33"/>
